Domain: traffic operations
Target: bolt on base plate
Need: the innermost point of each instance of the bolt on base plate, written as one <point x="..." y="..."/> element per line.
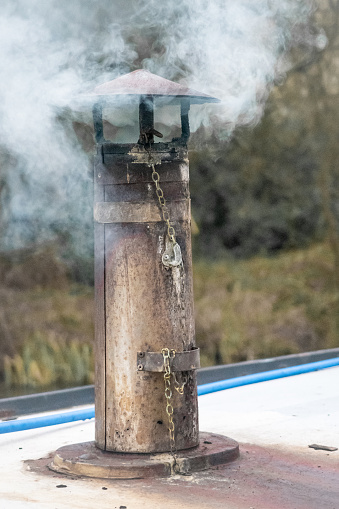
<point x="85" y="459"/>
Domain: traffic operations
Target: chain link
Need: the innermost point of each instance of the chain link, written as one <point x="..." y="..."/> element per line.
<point x="167" y="355"/>
<point x="179" y="388"/>
<point x="162" y="203"/>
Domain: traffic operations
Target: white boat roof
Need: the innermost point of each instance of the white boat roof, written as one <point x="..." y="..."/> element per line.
<point x="274" y="422"/>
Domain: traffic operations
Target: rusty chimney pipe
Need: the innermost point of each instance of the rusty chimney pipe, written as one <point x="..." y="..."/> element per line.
<point x="144" y="293"/>
<point x="146" y="357"/>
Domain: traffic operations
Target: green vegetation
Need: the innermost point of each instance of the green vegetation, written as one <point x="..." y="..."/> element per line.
<point x="45" y="361"/>
<point x="266" y="307"/>
<point x="245" y="309"/>
<point x="275" y="186"/>
<point x="46" y="322"/>
<point x="265" y="203"/>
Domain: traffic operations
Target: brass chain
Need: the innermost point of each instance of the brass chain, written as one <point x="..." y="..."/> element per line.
<point x="162" y="203"/>
<point x="168" y="355"/>
<point x="160" y="195"/>
<point x="179" y="388"/>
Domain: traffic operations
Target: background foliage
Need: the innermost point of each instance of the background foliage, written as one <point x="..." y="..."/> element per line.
<point x="266" y="270"/>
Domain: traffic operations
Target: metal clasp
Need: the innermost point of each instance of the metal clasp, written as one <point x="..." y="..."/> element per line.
<point x="172" y="256"/>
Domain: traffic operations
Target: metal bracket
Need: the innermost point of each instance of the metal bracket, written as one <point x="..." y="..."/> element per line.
<point x="154" y="361"/>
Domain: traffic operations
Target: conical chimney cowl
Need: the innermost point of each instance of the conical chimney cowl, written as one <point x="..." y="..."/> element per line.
<point x="144" y="83"/>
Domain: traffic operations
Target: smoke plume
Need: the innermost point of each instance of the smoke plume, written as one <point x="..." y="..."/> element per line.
<point x="53" y="51"/>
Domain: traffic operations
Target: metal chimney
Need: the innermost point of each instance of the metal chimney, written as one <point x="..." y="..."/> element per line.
<point x="146" y="355"/>
<point x="144" y="293"/>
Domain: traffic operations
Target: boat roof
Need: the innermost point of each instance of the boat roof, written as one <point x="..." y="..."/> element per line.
<point x="273" y="421"/>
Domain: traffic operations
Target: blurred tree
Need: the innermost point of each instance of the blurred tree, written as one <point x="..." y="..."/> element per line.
<point x="275" y="186"/>
<point x="312" y="96"/>
<point x="270" y="187"/>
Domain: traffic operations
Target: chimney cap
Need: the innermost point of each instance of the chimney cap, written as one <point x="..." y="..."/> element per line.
<point x="144" y="83"/>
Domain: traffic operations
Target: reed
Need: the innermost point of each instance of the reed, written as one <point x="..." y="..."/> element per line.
<point x="45" y="360"/>
<point x="245" y="309"/>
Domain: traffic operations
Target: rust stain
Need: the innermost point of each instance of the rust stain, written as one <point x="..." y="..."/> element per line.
<point x="262" y="478"/>
<point x="145" y="310"/>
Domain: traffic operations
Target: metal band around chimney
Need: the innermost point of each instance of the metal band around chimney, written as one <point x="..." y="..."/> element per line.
<point x="183" y="361"/>
<point x="140" y="212"/>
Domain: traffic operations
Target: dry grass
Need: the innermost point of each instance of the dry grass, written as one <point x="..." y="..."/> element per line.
<point x="46" y="323"/>
<point x="47" y="336"/>
<point x="266" y="307"/>
<point x="250" y="309"/>
<point x="49" y="360"/>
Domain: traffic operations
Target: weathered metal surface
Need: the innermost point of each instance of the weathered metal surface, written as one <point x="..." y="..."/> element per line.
<point x="185" y="126"/>
<point x="168" y="150"/>
<point x="100" y="325"/>
<point x="85" y="459"/>
<point x="98" y="123"/>
<point x="183" y="361"/>
<point x="146" y="121"/>
<point x="147" y="307"/>
<point x="124" y="192"/>
<point x="126" y="173"/>
<point x="130" y="164"/>
<point x="138" y="212"/>
<point x="144" y="83"/>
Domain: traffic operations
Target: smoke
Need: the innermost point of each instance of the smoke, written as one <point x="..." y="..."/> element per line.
<point x="52" y="51"/>
<point x="234" y="50"/>
<point x="49" y="52"/>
